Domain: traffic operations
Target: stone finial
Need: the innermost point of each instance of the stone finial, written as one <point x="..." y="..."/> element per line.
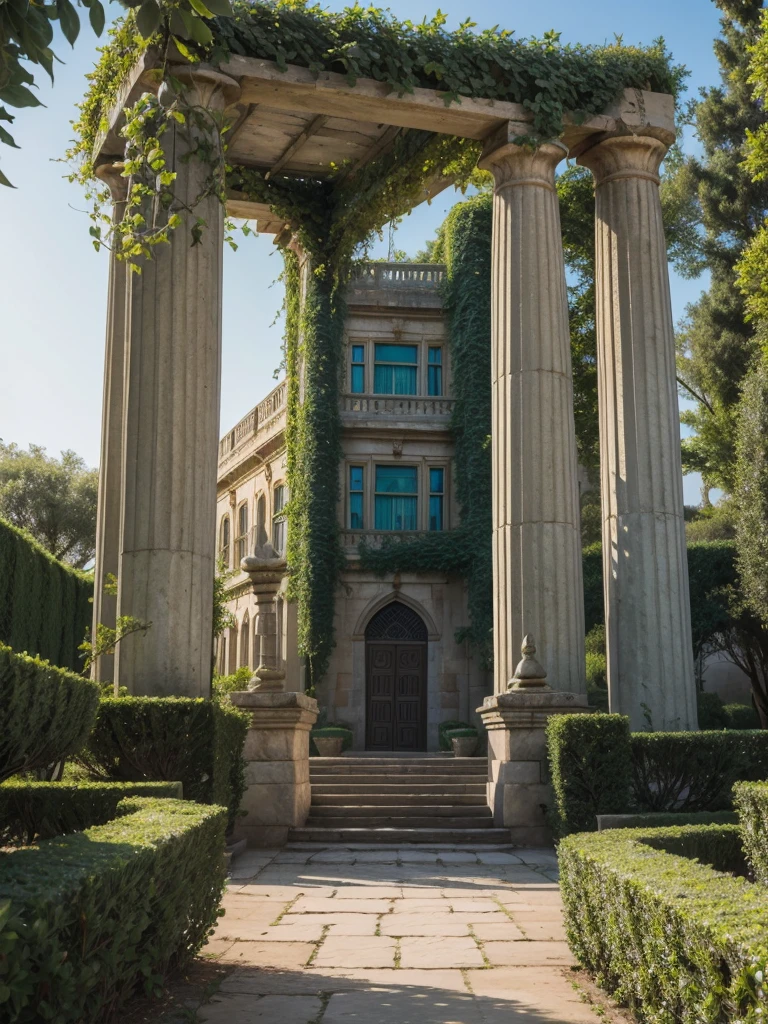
<point x="529" y="674"/>
<point x="267" y="680"/>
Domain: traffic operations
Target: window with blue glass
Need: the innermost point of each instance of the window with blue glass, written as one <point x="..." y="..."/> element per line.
<point x="356" y="497"/>
<point x="357" y="383"/>
<point x="395" y="370"/>
<point x="396" y="498"/>
<point x="436" y="496"/>
<point x="435" y="371"/>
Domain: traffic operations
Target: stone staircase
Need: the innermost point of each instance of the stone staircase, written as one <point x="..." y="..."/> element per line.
<point x="396" y="799"/>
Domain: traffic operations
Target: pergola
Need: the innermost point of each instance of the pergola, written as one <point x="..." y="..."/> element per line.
<point x="161" y="411"/>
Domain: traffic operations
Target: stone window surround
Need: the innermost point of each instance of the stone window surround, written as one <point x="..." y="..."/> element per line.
<point x="241" y="540"/>
<point x="423" y="343"/>
<point x="423" y="464"/>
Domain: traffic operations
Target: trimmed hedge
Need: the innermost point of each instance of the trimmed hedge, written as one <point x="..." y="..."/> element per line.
<point x="190" y="740"/>
<point x="751" y="799"/>
<point x="590" y="768"/>
<point x="667" y="819"/>
<point x="676" y="940"/>
<point x="741" y="716"/>
<point x="446" y="727"/>
<point x="46" y="713"/>
<point x="31" y="811"/>
<point x="91" y="919"/>
<point x="45" y="605"/>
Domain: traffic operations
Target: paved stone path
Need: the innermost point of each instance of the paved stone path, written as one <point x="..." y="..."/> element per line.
<point x="388" y="936"/>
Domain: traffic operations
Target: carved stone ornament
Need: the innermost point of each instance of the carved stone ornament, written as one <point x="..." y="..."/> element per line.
<point x="397" y="449"/>
<point x="529" y="674"/>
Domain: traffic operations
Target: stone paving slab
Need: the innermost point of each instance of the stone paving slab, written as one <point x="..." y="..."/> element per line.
<point x="440" y="951"/>
<point x="528" y="954"/>
<point x="529" y="995"/>
<point x="250" y="1009"/>
<point x="356" y="951"/>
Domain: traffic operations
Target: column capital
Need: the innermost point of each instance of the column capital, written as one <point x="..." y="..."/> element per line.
<point x="624" y="156"/>
<point x="207" y="88"/>
<point x="513" y="163"/>
<point x="111" y="174"/>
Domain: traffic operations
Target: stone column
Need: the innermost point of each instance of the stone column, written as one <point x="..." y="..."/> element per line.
<point x="278" y="792"/>
<point x="647" y="603"/>
<point x="110" y="465"/>
<point x="173" y="371"/>
<point x="536" y="525"/>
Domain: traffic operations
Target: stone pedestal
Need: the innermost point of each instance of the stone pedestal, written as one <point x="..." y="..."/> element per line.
<point x="645" y="568"/>
<point x="278" y="791"/>
<point x="536" y="526"/>
<point x="519" y="791"/>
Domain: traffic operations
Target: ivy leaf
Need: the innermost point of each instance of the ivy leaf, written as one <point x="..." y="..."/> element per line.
<point x="201" y="9"/>
<point x="4" y="181"/>
<point x="19" y="96"/>
<point x="185" y="52"/>
<point x="96" y="17"/>
<point x="148" y="18"/>
<point x="70" y="23"/>
<point x="222" y="8"/>
<point x="200" y="32"/>
<point x="7" y="138"/>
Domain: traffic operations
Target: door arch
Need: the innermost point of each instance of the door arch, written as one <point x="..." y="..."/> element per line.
<point x="396" y="680"/>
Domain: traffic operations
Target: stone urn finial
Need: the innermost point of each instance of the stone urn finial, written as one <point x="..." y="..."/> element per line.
<point x="529" y="674"/>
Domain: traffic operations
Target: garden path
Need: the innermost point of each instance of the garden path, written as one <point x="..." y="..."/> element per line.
<point x="392" y="936"/>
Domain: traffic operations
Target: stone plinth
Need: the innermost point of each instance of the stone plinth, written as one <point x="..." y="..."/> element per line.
<point x="278" y="793"/>
<point x="519" y="790"/>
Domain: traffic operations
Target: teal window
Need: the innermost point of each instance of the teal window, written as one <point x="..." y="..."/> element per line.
<point x="396" y="498"/>
<point x="356" y="497"/>
<point x="435" y="372"/>
<point x="436" y="496"/>
<point x="357" y="383"/>
<point x="395" y="369"/>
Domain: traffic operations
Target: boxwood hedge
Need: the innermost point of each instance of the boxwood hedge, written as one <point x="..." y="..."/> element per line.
<point x="751" y="799"/>
<point x="45" y="715"/>
<point x="673" y="938"/>
<point x="182" y="739"/>
<point x="90" y="919"/>
<point x="32" y="811"/>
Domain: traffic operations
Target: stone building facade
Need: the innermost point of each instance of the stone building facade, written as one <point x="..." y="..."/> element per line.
<point x="397" y="670"/>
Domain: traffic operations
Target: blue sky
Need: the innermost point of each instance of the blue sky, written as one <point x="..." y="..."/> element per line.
<point x="53" y="285"/>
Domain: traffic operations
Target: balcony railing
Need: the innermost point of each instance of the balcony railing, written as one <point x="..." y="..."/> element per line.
<point x="397" y="405"/>
<point x="375" y="538"/>
<point x="399" y="275"/>
<point x="256" y="420"/>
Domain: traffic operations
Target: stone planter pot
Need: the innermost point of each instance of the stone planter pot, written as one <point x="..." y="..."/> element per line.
<point x="464" y="746"/>
<point x="329" y="746"/>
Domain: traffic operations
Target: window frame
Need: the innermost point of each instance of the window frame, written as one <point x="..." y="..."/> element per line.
<point x="394" y="366"/>
<point x="401" y="494"/>
<point x="224" y="546"/>
<point x="355" y="363"/>
<point x="437" y="369"/>
<point x="241" y="540"/>
<point x="279" y="518"/>
<point x="361" y="492"/>
<point x="440" y="495"/>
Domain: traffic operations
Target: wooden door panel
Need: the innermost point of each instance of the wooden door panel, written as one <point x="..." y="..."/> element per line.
<point x="397" y="696"/>
<point x="380" y="693"/>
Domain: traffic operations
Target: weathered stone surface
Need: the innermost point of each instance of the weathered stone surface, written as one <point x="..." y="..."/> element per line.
<point x="428" y="951"/>
<point x="356" y="951"/>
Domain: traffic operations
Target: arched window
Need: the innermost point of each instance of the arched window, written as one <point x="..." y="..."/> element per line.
<point x="224" y="540"/>
<point x="222" y="660"/>
<point x="261" y="521"/>
<point x="242" y="531"/>
<point x="245" y="641"/>
<point x="232" y="650"/>
<point x="278" y="518"/>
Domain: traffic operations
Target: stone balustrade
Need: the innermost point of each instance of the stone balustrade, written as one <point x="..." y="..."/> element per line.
<point x="257" y="419"/>
<point x="400" y="275"/>
<point x="396" y="405"/>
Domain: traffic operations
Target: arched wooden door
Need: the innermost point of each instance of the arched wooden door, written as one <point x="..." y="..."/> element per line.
<point x="396" y="680"/>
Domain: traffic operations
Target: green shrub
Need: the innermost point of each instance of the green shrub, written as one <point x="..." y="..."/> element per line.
<point x="445" y="727"/>
<point x="751" y="799"/>
<point x="665" y="819"/>
<point x="238" y="680"/>
<point x="675" y="940"/>
<point x="179" y="739"/>
<point x="694" y="771"/>
<point x="45" y="606"/>
<point x="741" y="716"/>
<point x="711" y="711"/>
<point x="590" y="768"/>
<point x="330" y="730"/>
<point x="462" y="734"/>
<point x="32" y="811"/>
<point x="90" y="919"/>
<point x="46" y="713"/>
<point x="592" y="571"/>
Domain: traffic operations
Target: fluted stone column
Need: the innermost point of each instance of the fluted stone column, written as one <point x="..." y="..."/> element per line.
<point x="173" y="371"/>
<point x="648" y="622"/>
<point x="536" y="526"/>
<point x="110" y="465"/>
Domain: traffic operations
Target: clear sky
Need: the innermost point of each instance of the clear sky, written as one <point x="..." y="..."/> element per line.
<point x="53" y="285"/>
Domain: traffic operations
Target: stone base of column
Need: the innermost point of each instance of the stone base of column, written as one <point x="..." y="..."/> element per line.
<point x="519" y="790"/>
<point x="278" y="792"/>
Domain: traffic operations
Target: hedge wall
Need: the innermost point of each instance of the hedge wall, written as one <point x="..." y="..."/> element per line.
<point x="88" y="920"/>
<point x="182" y="739"/>
<point x="45" y="606"/>
<point x="33" y="811"/>
<point x="46" y="713"/>
<point x="751" y="799"/>
<point x="674" y="939"/>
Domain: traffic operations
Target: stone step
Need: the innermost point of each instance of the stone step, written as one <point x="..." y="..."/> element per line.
<point x="401" y="797"/>
<point x="369" y="821"/>
<point x="472" y="765"/>
<point x="399" y="836"/>
<point x="376" y="810"/>
<point x="404" y="777"/>
<point x="451" y="789"/>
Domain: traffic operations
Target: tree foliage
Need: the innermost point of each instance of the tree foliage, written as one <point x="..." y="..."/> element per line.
<point x="717" y="343"/>
<point x="752" y="491"/>
<point x="53" y="499"/>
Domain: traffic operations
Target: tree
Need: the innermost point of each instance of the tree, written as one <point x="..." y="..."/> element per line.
<point x="751" y="492"/>
<point x="717" y="344"/>
<point x="54" y="499"/>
